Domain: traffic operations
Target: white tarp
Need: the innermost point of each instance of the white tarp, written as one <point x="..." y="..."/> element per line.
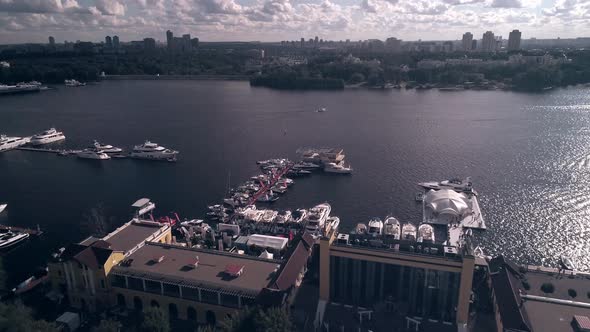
<point x="267" y="241"/>
<point x="447" y="201"/>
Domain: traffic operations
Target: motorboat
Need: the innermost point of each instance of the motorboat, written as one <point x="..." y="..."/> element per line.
<point x="3" y="207"/>
<point x="73" y="83"/>
<point x="375" y="227"/>
<point x="48" y="136"/>
<point x="9" y="238"/>
<point x="298" y="173"/>
<point x="425" y="233"/>
<point x="192" y="223"/>
<point x="360" y="229"/>
<point x="317" y="216"/>
<point x="455" y="184"/>
<point x="306" y="165"/>
<point x="566" y="263"/>
<point x="39" y="277"/>
<point x="268" y="198"/>
<point x="107" y="148"/>
<point x="287" y="181"/>
<point x="279" y="188"/>
<point x="93" y="154"/>
<point x="150" y="150"/>
<point x="332" y="224"/>
<point x="298" y="216"/>
<point x="391" y="227"/>
<point x="9" y="143"/>
<point x="419" y="197"/>
<point x="408" y="232"/>
<point x="283" y="217"/>
<point x="337" y="168"/>
<point x="321" y="110"/>
<point x="18" y="88"/>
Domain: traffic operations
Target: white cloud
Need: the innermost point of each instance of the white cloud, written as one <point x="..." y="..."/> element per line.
<point x="506" y="4"/>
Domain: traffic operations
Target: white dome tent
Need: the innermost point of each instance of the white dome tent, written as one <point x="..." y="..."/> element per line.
<point x="446" y="206"/>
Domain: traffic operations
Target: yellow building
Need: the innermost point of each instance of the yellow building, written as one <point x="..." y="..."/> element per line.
<point x="425" y="281"/>
<point x="80" y="271"/>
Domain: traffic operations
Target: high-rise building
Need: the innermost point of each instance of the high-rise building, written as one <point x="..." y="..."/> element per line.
<point x="316" y="41"/>
<point x="488" y="42"/>
<point x="474" y="45"/>
<point x="302" y="42"/>
<point x="448" y="46"/>
<point x="467" y="41"/>
<point x="149" y="44"/>
<point x="169" y="40"/>
<point x="186" y="43"/>
<point x="51" y="41"/>
<point x="514" y="40"/>
<point x="108" y="41"/>
<point x="195" y="43"/>
<point x="116" y="42"/>
<point x="393" y="44"/>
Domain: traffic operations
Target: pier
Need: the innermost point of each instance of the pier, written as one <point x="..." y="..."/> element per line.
<point x="56" y="151"/>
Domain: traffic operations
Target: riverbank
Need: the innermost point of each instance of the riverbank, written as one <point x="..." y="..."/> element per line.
<point x="174" y="77"/>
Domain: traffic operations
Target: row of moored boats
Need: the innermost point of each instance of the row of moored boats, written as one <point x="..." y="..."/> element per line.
<point x="392" y="228"/>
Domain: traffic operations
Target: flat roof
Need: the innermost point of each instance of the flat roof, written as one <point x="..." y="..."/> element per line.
<point x="546" y="316"/>
<point x="210" y="272"/>
<point x="141" y="202"/>
<point x="130" y="235"/>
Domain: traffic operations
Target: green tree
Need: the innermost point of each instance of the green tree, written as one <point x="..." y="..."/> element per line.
<point x="107" y="325"/>
<point x="241" y="321"/>
<point x="273" y="320"/>
<point x="18" y="318"/>
<point x="154" y="319"/>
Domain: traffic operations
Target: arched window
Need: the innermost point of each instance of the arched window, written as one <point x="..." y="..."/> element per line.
<point x="191" y="314"/>
<point x="121" y="300"/>
<point x="210" y="317"/>
<point x="137" y="304"/>
<point x="172" y="311"/>
<point x="155" y="303"/>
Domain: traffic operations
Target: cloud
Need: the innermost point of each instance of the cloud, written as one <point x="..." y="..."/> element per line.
<point x="506" y="4"/>
<point x="110" y="7"/>
<point x="38" y="6"/>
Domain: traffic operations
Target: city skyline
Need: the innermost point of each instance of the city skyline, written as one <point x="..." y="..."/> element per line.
<point x="25" y="21"/>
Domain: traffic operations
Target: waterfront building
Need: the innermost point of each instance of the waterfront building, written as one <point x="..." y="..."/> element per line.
<point x="467" y="41"/>
<point x="108" y="42"/>
<point x="116" y="42"/>
<point x="514" y="40"/>
<point x="535" y="299"/>
<point x="427" y="283"/>
<point x="138" y="265"/>
<point x="488" y="42"/>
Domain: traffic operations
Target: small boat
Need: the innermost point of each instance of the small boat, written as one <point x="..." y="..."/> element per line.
<point x="419" y="197"/>
<point x="153" y="151"/>
<point x="425" y="233"/>
<point x="93" y="154"/>
<point x="9" y="238"/>
<point x="360" y="229"/>
<point x="38" y="278"/>
<point x="375" y="227"/>
<point x="409" y="232"/>
<point x="337" y="168"/>
<point x="391" y="228"/>
<point x="566" y="263"/>
<point x="106" y="148"/>
<point x="297" y="173"/>
<point x="73" y="83"/>
<point x="3" y="207"/>
<point x="321" y="110"/>
<point x="455" y="184"/>
<point x="48" y="136"/>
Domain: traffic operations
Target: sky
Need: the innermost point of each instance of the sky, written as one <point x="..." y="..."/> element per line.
<point x="24" y="21"/>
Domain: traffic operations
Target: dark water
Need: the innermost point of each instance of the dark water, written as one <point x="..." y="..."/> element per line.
<point x="527" y="154"/>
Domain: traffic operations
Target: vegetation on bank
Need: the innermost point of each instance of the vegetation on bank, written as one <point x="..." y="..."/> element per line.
<point x="318" y="71"/>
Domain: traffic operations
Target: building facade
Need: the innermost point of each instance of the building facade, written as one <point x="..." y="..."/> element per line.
<point x="467" y="42"/>
<point x="488" y="42"/>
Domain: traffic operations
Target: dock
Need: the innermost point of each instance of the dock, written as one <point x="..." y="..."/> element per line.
<point x="276" y="177"/>
<point x="56" y="151"/>
<point x="33" y="232"/>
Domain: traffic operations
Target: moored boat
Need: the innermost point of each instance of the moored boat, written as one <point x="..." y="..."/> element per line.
<point x="9" y="238"/>
<point x="92" y="154"/>
<point x="375" y="227"/>
<point x="425" y="233"/>
<point x="48" y="136"/>
<point x="391" y="227"/>
<point x="408" y="232"/>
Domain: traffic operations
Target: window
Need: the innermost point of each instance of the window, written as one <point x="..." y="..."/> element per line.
<point x="191" y="314"/>
<point x="102" y="283"/>
<point x="171" y="290"/>
<point x="153" y="286"/>
<point x="135" y="283"/>
<point x="229" y="301"/>
<point x="137" y="303"/>
<point x="118" y="281"/>
<point x="190" y="293"/>
<point x="208" y="296"/>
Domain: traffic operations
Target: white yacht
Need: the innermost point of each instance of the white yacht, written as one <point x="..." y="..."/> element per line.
<point x="150" y="150"/>
<point x="337" y="168"/>
<point x="425" y="233"/>
<point x="3" y="207"/>
<point x="283" y="217"/>
<point x="375" y="227"/>
<point x="332" y="224"/>
<point x="9" y="143"/>
<point x="48" y="136"/>
<point x="73" y="83"/>
<point x="317" y="216"/>
<point x="408" y="232"/>
<point x="93" y="154"/>
<point x="9" y="238"/>
<point x="392" y="228"/>
<point x="360" y="229"/>
<point x="107" y="148"/>
<point x="455" y="184"/>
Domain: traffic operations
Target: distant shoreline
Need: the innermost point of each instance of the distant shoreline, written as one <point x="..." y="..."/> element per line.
<point x="174" y="77"/>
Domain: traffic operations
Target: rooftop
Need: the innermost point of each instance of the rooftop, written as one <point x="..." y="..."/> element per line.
<point x="211" y="270"/>
<point x="131" y="234"/>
